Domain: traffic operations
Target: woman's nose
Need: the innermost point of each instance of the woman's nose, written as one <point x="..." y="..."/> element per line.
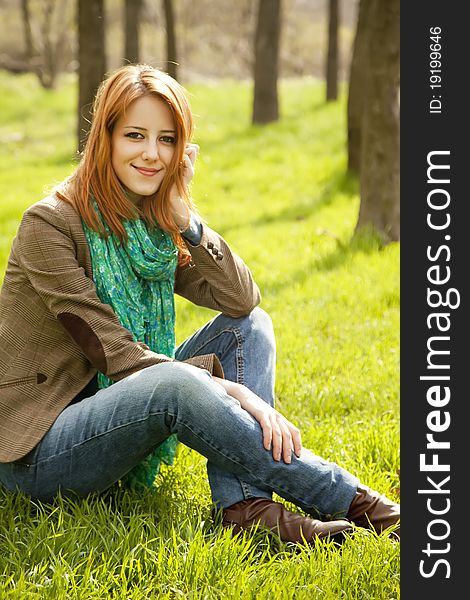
<point x="151" y="151"/>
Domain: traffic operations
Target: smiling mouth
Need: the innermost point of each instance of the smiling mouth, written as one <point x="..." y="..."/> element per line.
<point x="147" y="172"/>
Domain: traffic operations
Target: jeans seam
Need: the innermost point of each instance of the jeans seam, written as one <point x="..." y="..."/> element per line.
<point x="240" y="358"/>
<point x="246" y="487"/>
<point x="240" y="362"/>
<point x="89" y="439"/>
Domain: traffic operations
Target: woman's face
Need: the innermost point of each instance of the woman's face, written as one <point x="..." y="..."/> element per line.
<point x="142" y="145"/>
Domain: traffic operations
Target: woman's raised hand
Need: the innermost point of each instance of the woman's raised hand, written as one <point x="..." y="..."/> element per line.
<point x="189" y="160"/>
<point x="179" y="208"/>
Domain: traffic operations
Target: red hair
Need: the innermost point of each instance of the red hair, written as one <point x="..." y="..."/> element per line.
<point x="95" y="175"/>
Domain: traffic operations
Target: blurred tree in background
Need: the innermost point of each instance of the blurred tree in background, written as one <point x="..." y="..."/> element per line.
<point x="331" y="70"/>
<point x="91" y="60"/>
<point x="48" y="37"/>
<point x="28" y="34"/>
<point x="357" y="86"/>
<point x="214" y="38"/>
<point x="380" y="135"/>
<point x="132" y="14"/>
<point x="267" y="38"/>
<point x="171" y="53"/>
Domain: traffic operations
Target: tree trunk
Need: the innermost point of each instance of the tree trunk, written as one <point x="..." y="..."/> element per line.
<point x="171" y="56"/>
<point x="53" y="42"/>
<point x="28" y="36"/>
<point x="332" y="54"/>
<point x="380" y="155"/>
<point x="46" y="52"/>
<point x="357" y="86"/>
<point x="45" y="73"/>
<point x="265" y="102"/>
<point x="132" y="10"/>
<point x="92" y="60"/>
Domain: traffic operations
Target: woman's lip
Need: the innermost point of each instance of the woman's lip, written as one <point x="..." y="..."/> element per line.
<point x="145" y="171"/>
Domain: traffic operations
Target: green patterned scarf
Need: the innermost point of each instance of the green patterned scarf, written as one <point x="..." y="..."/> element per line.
<point x="137" y="280"/>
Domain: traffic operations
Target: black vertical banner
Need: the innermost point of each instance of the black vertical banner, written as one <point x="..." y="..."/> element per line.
<point x="435" y="358"/>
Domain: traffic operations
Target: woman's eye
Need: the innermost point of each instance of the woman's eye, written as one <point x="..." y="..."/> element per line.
<point x="168" y="139"/>
<point x="135" y="135"/>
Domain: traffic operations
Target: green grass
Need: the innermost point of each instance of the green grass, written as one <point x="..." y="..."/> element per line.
<point x="280" y="196"/>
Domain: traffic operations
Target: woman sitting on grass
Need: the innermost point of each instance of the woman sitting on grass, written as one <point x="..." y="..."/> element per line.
<point x="92" y="388"/>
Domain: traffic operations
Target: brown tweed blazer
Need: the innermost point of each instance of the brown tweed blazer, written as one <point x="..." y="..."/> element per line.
<point x="55" y="333"/>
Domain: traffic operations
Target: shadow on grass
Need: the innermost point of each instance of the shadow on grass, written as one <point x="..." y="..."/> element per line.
<point x="255" y="138"/>
<point x="367" y="241"/>
<point x="340" y="183"/>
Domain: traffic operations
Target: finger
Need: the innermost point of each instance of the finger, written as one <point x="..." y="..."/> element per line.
<point x="193" y="147"/>
<point x="191" y="151"/>
<point x="287" y="441"/>
<point x="188" y="169"/>
<point x="267" y="434"/>
<point x="188" y="163"/>
<point x="287" y="447"/>
<point x="296" y="439"/>
<point x="277" y="442"/>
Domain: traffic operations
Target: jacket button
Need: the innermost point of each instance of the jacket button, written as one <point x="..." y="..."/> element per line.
<point x="210" y="245"/>
<point x="215" y="251"/>
<point x="220" y="256"/>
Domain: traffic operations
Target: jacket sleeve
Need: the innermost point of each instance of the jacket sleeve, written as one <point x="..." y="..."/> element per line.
<point x="45" y="250"/>
<point x="217" y="278"/>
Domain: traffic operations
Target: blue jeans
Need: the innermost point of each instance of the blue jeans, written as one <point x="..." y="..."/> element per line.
<point x="95" y="442"/>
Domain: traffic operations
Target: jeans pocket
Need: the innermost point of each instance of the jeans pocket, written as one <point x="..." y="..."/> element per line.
<point x="28" y="460"/>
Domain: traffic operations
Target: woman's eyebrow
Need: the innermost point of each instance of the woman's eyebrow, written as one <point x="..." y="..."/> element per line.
<point x="144" y="129"/>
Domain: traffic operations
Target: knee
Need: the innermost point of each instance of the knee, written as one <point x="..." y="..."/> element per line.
<point x="259" y="324"/>
<point x="261" y="318"/>
<point x="175" y="379"/>
<point x="185" y="388"/>
<point x="181" y="375"/>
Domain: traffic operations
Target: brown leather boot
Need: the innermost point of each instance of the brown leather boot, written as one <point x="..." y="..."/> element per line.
<point x="374" y="511"/>
<point x="290" y="526"/>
